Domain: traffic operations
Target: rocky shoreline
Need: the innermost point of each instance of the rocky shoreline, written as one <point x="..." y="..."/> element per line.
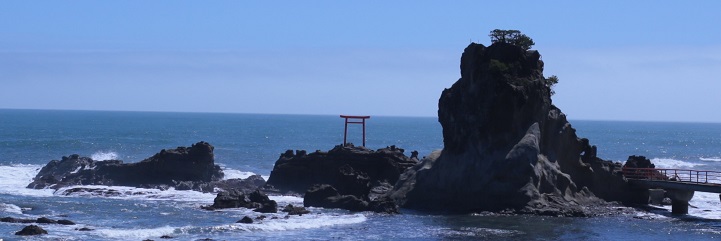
<point x="507" y="151"/>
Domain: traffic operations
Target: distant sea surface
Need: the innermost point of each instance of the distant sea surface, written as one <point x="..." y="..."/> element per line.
<point x="251" y="143"/>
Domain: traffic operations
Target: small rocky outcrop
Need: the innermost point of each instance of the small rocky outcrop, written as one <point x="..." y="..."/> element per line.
<point x="292" y="210"/>
<point x="639" y="162"/>
<point x="507" y="147"/>
<point x="246" y="220"/>
<point x="31" y="230"/>
<point x="642" y="162"/>
<point x="350" y="169"/>
<point x="183" y="167"/>
<point x="42" y="220"/>
<point x="326" y="196"/>
<point x="257" y="200"/>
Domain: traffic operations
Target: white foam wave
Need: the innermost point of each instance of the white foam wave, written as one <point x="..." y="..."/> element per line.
<point x="308" y="221"/>
<point x="134" y="193"/>
<point x="703" y="205"/>
<point x="14" y="179"/>
<point x="673" y="163"/>
<point x="136" y="234"/>
<point x="104" y="156"/>
<point x="706" y="205"/>
<point x="10" y="208"/>
<point x="710" y="159"/>
<point x="287" y="199"/>
<point x="232" y="174"/>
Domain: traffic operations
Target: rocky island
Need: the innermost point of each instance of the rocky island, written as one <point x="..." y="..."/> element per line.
<point x="182" y="168"/>
<point x="508" y="148"/>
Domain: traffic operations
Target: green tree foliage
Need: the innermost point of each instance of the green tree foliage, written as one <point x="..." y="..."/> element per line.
<point x="514" y="37"/>
<point x="550" y="82"/>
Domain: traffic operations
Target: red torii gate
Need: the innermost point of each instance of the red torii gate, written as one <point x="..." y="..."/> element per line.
<point x="354" y="117"/>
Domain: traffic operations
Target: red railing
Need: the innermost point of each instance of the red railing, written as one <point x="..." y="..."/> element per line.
<point x="676" y="175"/>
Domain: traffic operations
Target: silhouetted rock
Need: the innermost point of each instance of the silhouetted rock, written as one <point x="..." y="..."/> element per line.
<point x="183" y="167"/>
<point x="348" y="168"/>
<point x="256" y="200"/>
<point x="326" y="196"/>
<point x="31" y="230"/>
<point x="42" y="220"/>
<point x="246" y="220"/>
<point x="639" y="162"/>
<point x="292" y="210"/>
<point x="66" y="222"/>
<point x="507" y="147"/>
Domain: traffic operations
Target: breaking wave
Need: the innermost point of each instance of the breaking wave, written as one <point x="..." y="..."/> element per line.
<point x="673" y="163"/>
<point x="104" y="156"/>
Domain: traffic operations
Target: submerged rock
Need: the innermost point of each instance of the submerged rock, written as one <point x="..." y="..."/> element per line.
<point x="507" y="147"/>
<point x="31" y="230"/>
<point x="183" y="167"/>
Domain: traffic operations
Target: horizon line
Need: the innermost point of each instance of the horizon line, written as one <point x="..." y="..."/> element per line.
<point x="326" y="114"/>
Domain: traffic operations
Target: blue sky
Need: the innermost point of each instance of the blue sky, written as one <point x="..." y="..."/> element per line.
<point x="616" y="60"/>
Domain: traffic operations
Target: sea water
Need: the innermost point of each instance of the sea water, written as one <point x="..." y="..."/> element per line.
<point x="247" y="144"/>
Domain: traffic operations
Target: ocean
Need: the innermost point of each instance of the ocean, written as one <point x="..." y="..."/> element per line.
<point x="247" y="144"/>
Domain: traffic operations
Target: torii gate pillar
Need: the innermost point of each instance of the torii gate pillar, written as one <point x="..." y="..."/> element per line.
<point x="354" y="119"/>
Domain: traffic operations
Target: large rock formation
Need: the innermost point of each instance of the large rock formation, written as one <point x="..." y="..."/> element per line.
<point x="347" y="177"/>
<point x="349" y="169"/>
<point x="183" y="167"/>
<point x="507" y="147"/>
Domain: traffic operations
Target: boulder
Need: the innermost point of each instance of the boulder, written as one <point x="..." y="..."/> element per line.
<point x="256" y="200"/>
<point x="292" y="210"/>
<point x="246" y="220"/>
<point x="231" y="199"/>
<point x="507" y="147"/>
<point x="42" y="220"/>
<point x="31" y="230"/>
<point x="66" y="222"/>
<point x="184" y="167"/>
<point x="350" y="169"/>
<point x="326" y="196"/>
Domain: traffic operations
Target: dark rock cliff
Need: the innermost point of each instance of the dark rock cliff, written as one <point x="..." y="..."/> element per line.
<point x="350" y="169"/>
<point x="507" y="147"/>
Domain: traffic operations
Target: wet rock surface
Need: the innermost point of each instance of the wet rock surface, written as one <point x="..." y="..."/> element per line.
<point x="31" y="230"/>
<point x="256" y="200"/>
<point x="326" y="196"/>
<point x="42" y="220"/>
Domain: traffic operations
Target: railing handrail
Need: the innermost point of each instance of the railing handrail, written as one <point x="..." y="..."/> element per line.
<point x="673" y="175"/>
<point x="673" y="169"/>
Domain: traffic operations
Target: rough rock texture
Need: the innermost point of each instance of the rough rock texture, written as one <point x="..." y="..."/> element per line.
<point x="328" y="197"/>
<point x="183" y="167"/>
<point x="506" y="147"/>
<point x="31" y="230"/>
<point x="256" y="200"/>
<point x="351" y="170"/>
